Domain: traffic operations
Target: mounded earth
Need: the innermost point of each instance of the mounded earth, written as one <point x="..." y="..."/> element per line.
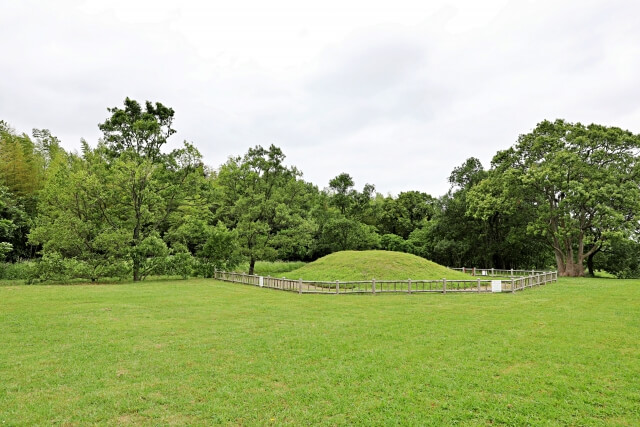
<point x="379" y="265"/>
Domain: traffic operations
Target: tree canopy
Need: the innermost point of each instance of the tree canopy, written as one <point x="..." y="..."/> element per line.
<point x="126" y="206"/>
<point x="581" y="183"/>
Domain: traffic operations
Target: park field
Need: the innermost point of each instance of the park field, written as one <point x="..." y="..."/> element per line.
<point x="205" y="352"/>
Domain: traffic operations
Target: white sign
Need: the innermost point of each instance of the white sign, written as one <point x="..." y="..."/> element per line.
<point x="261" y="281"/>
<point x="484" y="272"/>
<point x="496" y="286"/>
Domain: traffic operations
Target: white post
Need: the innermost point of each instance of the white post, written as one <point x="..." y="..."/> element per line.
<point x="444" y="286"/>
<point x="373" y="286"/>
<point x="300" y="286"/>
<point x="409" y="283"/>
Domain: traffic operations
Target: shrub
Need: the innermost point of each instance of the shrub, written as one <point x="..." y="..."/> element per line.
<point x="24" y="270"/>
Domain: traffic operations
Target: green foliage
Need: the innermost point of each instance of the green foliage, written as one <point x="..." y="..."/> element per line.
<point x="128" y="207"/>
<point x="151" y="254"/>
<point x="453" y="237"/>
<point x="25" y="270"/>
<point x="340" y="233"/>
<point x="580" y="183"/>
<point x="116" y="201"/>
<point x="21" y="165"/>
<point x="621" y="258"/>
<point x="393" y="242"/>
<point x="133" y="129"/>
<point x="180" y="262"/>
<point x="342" y="192"/>
<point x="409" y="211"/>
<point x="266" y="203"/>
<point x="15" y="223"/>
<point x="220" y="251"/>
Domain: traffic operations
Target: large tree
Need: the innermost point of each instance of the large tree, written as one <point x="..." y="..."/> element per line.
<point x="266" y="202"/>
<point x="581" y="182"/>
<point x="75" y="217"/>
<point x="117" y="199"/>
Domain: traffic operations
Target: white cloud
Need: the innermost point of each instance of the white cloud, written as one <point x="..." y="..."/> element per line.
<point x="395" y="94"/>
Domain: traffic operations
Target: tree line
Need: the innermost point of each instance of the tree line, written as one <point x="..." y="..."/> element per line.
<point x="564" y="195"/>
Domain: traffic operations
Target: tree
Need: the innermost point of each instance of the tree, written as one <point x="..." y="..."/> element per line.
<point x="265" y="202"/>
<point x="75" y="218"/>
<point x="581" y="182"/>
<point x="342" y="192"/>
<point x="21" y="166"/>
<point x="341" y="234"/>
<point x="142" y="132"/>
<point x="154" y="184"/>
<point x="404" y="214"/>
<point x="621" y="258"/>
<point x="115" y="202"/>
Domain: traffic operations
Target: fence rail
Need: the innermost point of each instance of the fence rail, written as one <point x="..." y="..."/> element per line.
<point x="508" y="281"/>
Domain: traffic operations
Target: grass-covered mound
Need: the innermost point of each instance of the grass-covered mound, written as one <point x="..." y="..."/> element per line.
<point x="379" y="265"/>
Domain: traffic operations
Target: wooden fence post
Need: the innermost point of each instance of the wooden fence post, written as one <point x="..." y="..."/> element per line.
<point x="373" y="286"/>
<point x="409" y="283"/>
<point x="444" y="286"/>
<point x="492" y="271"/>
<point x="337" y="287"/>
<point x="513" y="285"/>
<point x="478" y="285"/>
<point x="474" y="271"/>
<point x="300" y="286"/>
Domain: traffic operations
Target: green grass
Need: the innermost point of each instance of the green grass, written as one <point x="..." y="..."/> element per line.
<point x="367" y="265"/>
<point x="271" y="268"/>
<point x="206" y="352"/>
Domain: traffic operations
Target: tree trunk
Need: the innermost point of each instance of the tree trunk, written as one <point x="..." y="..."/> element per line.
<point x="568" y="266"/>
<point x="590" y="265"/>
<point x="136" y="257"/>
<point x="136" y="268"/>
<point x="590" y="261"/>
<point x="560" y="263"/>
<point x="252" y="264"/>
<point x="571" y="268"/>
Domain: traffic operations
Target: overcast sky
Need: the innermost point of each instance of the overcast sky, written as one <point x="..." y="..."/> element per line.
<point x="395" y="93"/>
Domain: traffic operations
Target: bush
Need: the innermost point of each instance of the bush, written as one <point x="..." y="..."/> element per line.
<point x="393" y="242"/>
<point x="53" y="267"/>
<point x="24" y="270"/>
<point x="181" y="263"/>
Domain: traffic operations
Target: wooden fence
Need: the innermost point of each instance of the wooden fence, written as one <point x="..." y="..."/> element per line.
<point x="504" y="281"/>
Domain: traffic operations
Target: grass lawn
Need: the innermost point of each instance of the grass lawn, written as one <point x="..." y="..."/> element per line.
<point x="206" y="352"/>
